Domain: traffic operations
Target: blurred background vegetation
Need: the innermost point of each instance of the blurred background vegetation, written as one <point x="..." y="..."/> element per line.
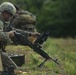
<point x="57" y="16"/>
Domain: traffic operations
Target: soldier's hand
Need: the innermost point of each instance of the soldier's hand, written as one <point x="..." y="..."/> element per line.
<point x="11" y="34"/>
<point x="33" y="37"/>
<point x="36" y="34"/>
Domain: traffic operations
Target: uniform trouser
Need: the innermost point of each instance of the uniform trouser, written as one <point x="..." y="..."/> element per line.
<point x="7" y="61"/>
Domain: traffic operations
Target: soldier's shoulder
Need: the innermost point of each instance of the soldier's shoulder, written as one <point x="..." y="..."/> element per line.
<point x="24" y="12"/>
<point x="26" y="15"/>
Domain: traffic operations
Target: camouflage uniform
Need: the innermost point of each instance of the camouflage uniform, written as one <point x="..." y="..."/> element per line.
<point x="5" y="40"/>
<point x="25" y="21"/>
<point x="4" y="37"/>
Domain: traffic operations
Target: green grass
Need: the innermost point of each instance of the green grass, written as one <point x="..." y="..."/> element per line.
<point x="62" y="49"/>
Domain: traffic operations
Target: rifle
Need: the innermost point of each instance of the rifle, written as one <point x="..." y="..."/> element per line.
<point x="36" y="46"/>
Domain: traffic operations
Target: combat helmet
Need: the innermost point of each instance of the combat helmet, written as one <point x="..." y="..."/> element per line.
<point x="9" y="7"/>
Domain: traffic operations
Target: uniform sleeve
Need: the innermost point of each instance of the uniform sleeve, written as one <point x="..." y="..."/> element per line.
<point x="4" y="37"/>
<point x="15" y="22"/>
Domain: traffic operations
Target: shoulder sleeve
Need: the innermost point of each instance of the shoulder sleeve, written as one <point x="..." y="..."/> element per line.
<point x="4" y="35"/>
